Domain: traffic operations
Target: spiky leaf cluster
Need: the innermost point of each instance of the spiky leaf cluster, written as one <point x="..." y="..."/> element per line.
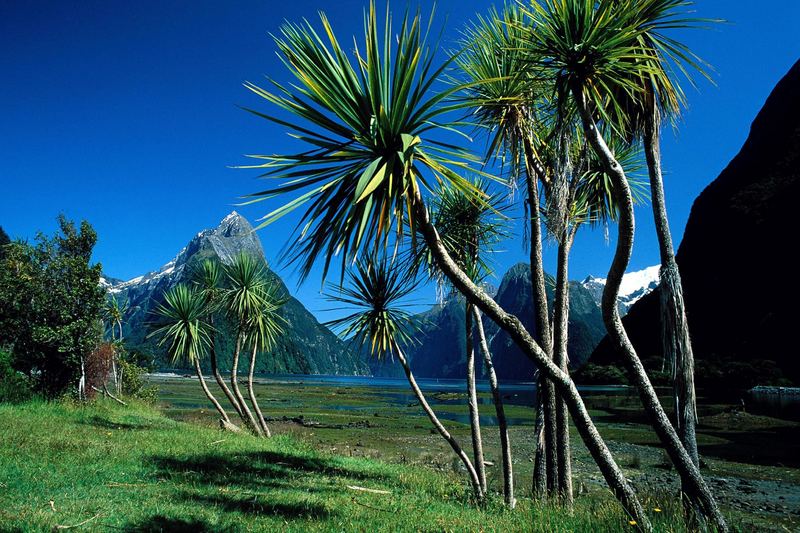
<point x="374" y="291"/>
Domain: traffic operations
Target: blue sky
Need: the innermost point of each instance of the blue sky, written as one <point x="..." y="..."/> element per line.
<point x="125" y="114"/>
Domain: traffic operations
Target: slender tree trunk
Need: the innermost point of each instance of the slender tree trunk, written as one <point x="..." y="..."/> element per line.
<point x="502" y="422"/>
<point x="210" y="395"/>
<point x="540" y="455"/>
<point x="677" y="344"/>
<point x="472" y="401"/>
<point x="617" y="482"/>
<point x="541" y="481"/>
<point x="119" y="380"/>
<point x="473" y="476"/>
<point x="251" y="391"/>
<point x="561" y="359"/>
<point x="248" y="418"/>
<point x="692" y="481"/>
<point x="82" y="382"/>
<point x="114" y="370"/>
<point x="212" y="357"/>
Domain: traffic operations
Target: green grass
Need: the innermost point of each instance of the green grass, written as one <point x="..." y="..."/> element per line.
<point x="134" y="469"/>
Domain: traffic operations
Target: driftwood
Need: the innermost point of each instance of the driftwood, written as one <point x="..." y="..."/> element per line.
<point x="60" y="527"/>
<point x="364" y="489"/>
<point x="105" y="391"/>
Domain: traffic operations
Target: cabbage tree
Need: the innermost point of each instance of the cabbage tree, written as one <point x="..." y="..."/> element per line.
<point x="375" y="135"/>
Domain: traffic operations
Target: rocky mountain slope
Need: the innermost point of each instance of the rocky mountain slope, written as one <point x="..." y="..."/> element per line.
<point x="307" y="347"/>
<point x="439" y="352"/>
<point x="737" y="259"/>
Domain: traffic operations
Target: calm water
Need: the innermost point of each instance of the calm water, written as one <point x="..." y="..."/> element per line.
<point x="396" y="391"/>
<point x="785" y="405"/>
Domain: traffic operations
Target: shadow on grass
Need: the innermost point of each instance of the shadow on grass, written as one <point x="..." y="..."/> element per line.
<point x="259" y="483"/>
<point x="105" y="423"/>
<point x="260" y="506"/>
<point x="160" y="523"/>
<point x="253" y="468"/>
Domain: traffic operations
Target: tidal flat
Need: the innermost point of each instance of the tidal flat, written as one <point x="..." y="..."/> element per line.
<point x="751" y="460"/>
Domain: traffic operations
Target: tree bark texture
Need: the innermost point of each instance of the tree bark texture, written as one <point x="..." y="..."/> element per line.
<point x="543" y="335"/>
<point x="692" y="481"/>
<point x="677" y="344"/>
<point x="252" y="393"/>
<point x="502" y="422"/>
<point x="472" y="402"/>
<point x="212" y="357"/>
<point x="247" y="417"/>
<point x="473" y="476"/>
<point x="223" y="415"/>
<point x="617" y="482"/>
<point x="561" y="359"/>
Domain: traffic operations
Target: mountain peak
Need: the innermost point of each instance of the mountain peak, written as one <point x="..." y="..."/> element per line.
<point x="232" y="225"/>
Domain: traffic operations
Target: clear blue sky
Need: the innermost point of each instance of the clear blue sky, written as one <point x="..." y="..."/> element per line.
<point x="125" y="114"/>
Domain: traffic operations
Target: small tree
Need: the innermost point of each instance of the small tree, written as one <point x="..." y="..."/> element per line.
<point x="245" y="300"/>
<point x="208" y="279"/>
<point x="378" y="320"/>
<point x="187" y="336"/>
<point x="98" y="366"/>
<point x="50" y="306"/>
<point x="469" y="226"/>
<point x="114" y="313"/>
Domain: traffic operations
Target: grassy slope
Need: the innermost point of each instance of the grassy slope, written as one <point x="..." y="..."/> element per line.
<point x="133" y="469"/>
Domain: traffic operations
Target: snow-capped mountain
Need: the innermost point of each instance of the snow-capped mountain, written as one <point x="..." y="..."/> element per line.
<point x="232" y="236"/>
<point x="634" y="286"/>
<point x="307" y="347"/>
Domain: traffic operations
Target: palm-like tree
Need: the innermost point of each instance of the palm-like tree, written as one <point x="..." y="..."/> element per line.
<point x="372" y="130"/>
<point x="592" y="53"/>
<point x="379" y="321"/>
<point x="186" y="335"/>
<point x="208" y="280"/>
<point x="263" y="329"/>
<point x="244" y="302"/>
<point x="114" y="311"/>
<point x="469" y="229"/>
<point x="505" y="100"/>
<point x="587" y="199"/>
<point x="663" y="98"/>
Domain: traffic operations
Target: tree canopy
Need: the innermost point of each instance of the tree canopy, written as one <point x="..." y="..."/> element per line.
<point x="51" y="305"/>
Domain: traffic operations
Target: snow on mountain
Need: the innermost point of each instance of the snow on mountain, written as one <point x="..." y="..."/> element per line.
<point x="634" y="285"/>
<point x="231" y="236"/>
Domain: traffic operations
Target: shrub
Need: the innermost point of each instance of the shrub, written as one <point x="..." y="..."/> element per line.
<point x="133" y="383"/>
<point x="15" y="387"/>
<point x="98" y="367"/>
<point x="592" y="374"/>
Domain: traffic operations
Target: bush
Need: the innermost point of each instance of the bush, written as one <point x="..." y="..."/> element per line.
<point x="133" y="383"/>
<point x="98" y="367"/>
<point x="592" y="374"/>
<point x="15" y="387"/>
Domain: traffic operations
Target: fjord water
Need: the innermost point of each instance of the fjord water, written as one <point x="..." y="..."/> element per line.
<point x="394" y="392"/>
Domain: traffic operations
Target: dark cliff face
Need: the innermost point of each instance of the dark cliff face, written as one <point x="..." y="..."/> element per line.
<point x="737" y="258"/>
<point x="439" y="352"/>
<point x="307" y="347"/>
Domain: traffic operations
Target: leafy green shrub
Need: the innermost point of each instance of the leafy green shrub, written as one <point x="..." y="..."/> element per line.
<point x="15" y="387"/>
<point x="592" y="374"/>
<point x="133" y="383"/>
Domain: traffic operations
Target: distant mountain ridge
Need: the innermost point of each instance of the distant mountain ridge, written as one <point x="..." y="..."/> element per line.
<point x="307" y="347"/>
<point x="439" y="351"/>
